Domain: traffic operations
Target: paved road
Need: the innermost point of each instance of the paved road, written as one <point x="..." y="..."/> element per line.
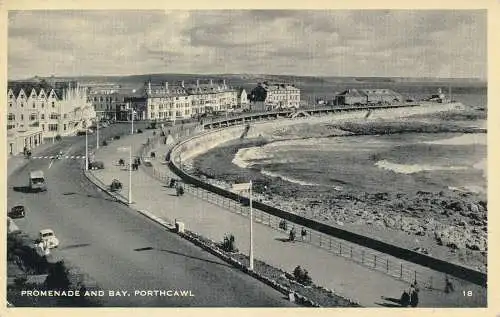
<point x="119" y="248"/>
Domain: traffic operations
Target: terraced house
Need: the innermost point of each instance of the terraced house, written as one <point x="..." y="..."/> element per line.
<point x="167" y="102"/>
<point x="56" y="108"/>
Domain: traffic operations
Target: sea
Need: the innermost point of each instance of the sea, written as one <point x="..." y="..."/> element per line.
<point x="406" y="162"/>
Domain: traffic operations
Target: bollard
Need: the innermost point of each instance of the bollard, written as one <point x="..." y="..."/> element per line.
<point x="401" y="274"/>
<point x="351" y="252"/>
<point x="375" y="261"/>
<point x="387" y="265"/>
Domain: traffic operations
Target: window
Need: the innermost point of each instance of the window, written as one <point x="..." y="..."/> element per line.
<point x="43" y="127"/>
<point x="11" y="117"/>
<point x="10" y="104"/>
<point x="52" y="127"/>
<point x="22" y="117"/>
<point x="33" y="105"/>
<point x="33" y="117"/>
<point x="22" y="105"/>
<point x="53" y="105"/>
<point x="54" y="116"/>
<point x="64" y="127"/>
<point x="11" y="126"/>
<point x="65" y="116"/>
<point x="43" y="116"/>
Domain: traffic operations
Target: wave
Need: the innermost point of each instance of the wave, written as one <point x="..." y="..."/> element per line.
<point x="288" y="179"/>
<point x="414" y="168"/>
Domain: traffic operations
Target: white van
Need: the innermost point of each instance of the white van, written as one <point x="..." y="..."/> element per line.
<point x="37" y="181"/>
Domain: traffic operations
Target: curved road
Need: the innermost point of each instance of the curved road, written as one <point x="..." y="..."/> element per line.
<point x="119" y="248"/>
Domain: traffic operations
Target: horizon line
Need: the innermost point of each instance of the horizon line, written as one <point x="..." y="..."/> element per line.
<point x="246" y="73"/>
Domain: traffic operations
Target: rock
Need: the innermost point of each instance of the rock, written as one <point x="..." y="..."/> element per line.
<point x="473" y="208"/>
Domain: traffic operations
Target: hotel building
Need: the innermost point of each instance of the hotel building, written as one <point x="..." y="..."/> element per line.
<point x="55" y="108"/>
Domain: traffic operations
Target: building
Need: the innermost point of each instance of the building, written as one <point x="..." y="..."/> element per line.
<point x="382" y="96"/>
<point x="275" y="96"/>
<point x="350" y="97"/>
<point x="166" y="102"/>
<point x="58" y="108"/>
<point x="110" y="102"/>
<point x="367" y="96"/>
<point x="20" y="139"/>
<point x="242" y="98"/>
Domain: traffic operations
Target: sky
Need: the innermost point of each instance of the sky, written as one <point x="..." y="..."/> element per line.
<point x="381" y="43"/>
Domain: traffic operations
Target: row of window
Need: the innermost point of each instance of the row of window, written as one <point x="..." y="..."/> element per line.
<point x="34" y="104"/>
<point x="33" y="116"/>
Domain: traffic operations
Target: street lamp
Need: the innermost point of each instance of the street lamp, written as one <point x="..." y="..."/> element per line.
<point x="132" y="114"/>
<point x="243" y="187"/>
<point x="129" y="149"/>
<point x="86" y="150"/>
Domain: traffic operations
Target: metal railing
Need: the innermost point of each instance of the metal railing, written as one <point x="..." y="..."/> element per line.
<point x="376" y="261"/>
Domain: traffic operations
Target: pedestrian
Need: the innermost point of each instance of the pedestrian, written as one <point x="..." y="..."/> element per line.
<point x="292" y="235"/>
<point x="405" y="299"/>
<point x="414" y="299"/>
<point x="448" y="285"/>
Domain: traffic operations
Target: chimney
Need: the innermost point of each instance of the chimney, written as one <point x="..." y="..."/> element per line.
<point x="211" y="82"/>
<point x="149" y="87"/>
<point x="197" y="83"/>
<point x="182" y="84"/>
<point x="166" y="85"/>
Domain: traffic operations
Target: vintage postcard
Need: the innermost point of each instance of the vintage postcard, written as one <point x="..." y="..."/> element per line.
<point x="198" y="157"/>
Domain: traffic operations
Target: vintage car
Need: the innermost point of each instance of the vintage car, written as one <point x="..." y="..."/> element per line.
<point x="17" y="212"/>
<point x="48" y="236"/>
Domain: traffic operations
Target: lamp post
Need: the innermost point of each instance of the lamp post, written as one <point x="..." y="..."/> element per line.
<point x="129" y="149"/>
<point x="86" y="150"/>
<point x="243" y="187"/>
<point x="97" y="132"/>
<point x="132" y="114"/>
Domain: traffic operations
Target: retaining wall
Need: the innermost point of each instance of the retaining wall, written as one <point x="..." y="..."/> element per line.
<point x="201" y="143"/>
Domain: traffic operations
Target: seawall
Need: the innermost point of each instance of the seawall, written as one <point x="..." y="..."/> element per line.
<point x="201" y="143"/>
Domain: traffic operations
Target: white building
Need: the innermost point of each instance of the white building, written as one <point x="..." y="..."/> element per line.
<point x="175" y="102"/>
<point x="275" y="96"/>
<point x="60" y="108"/>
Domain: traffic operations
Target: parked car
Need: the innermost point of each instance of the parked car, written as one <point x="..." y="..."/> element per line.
<point x="48" y="236"/>
<point x="17" y="212"/>
<point x="96" y="165"/>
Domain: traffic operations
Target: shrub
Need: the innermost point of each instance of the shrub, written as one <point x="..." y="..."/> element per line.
<point x="302" y="276"/>
<point x="58" y="137"/>
<point x="58" y="277"/>
<point x="228" y="244"/>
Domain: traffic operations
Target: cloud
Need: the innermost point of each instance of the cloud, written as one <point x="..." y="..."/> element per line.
<point x="315" y="42"/>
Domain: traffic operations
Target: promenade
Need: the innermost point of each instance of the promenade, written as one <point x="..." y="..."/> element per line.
<point x="213" y="221"/>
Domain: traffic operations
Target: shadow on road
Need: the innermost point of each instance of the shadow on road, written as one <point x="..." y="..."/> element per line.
<point x="88" y="195"/>
<point x="24" y="189"/>
<point x="196" y="258"/>
<point x="74" y="246"/>
<point x="388" y="305"/>
<point x="393" y="302"/>
<point x="283" y="239"/>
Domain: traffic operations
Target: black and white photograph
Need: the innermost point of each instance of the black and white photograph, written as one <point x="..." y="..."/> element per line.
<point x="291" y="158"/>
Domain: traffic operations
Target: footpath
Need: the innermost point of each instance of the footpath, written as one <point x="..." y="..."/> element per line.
<point x="149" y="194"/>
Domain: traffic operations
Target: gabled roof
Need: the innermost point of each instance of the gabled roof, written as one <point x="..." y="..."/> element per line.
<point x="27" y="87"/>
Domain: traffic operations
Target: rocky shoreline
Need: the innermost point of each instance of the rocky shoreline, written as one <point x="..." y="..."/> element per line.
<point x="448" y="224"/>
